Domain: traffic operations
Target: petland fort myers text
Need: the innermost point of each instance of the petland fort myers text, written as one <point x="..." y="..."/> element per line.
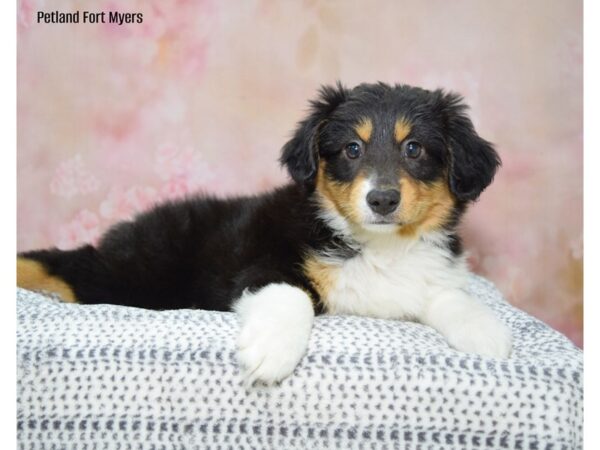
<point x="115" y="17"/>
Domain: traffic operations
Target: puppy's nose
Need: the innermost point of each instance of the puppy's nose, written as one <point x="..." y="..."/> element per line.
<point x="383" y="202"/>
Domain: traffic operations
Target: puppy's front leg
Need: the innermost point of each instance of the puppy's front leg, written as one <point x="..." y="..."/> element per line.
<point x="276" y="321"/>
<point x="468" y="325"/>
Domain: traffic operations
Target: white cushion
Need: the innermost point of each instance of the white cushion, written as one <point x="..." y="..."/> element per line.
<point x="112" y="375"/>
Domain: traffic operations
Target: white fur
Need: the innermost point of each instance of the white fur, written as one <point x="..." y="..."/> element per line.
<point x="468" y="325"/>
<point x="381" y="228"/>
<point x="275" y="328"/>
<point x="419" y="279"/>
<point x="392" y="276"/>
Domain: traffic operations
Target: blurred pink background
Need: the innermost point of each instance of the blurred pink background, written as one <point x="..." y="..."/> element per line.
<point x="202" y="95"/>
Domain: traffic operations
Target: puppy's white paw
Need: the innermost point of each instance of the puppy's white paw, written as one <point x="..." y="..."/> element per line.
<point x="276" y="324"/>
<point x="269" y="353"/>
<point x="483" y="334"/>
<point x="467" y="324"/>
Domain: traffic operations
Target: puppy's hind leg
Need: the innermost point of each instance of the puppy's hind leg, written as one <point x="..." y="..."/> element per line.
<point x="276" y="321"/>
<point x="66" y="273"/>
<point x="34" y="276"/>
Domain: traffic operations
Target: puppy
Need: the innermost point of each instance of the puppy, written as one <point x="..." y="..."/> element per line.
<point x="381" y="176"/>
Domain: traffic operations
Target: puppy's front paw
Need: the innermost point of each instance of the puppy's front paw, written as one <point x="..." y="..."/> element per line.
<point x="467" y="324"/>
<point x="276" y="325"/>
<point x="483" y="334"/>
<point x="269" y="353"/>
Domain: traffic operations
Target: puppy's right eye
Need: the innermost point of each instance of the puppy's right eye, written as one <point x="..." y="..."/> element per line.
<point x="353" y="150"/>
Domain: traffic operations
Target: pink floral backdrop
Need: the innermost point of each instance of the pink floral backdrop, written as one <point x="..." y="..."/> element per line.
<point x="202" y="95"/>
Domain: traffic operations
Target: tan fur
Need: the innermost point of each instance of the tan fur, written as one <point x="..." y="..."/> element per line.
<point x="425" y="207"/>
<point x="343" y="198"/>
<point x="364" y="129"/>
<point x="33" y="276"/>
<point x="402" y="129"/>
<point x="322" y="276"/>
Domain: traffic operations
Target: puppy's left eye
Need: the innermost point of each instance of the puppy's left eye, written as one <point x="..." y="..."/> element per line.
<point x="413" y="149"/>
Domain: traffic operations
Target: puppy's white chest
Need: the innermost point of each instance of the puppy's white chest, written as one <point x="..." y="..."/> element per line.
<point x="390" y="280"/>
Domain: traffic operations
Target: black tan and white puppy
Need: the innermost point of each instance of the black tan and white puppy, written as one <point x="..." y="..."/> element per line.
<point x="381" y="176"/>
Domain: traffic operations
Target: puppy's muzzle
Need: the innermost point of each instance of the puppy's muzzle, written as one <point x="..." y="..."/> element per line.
<point x="383" y="202"/>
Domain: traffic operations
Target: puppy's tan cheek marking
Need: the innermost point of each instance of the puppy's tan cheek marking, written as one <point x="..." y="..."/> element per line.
<point x="352" y="199"/>
<point x="402" y="129"/>
<point x="343" y="198"/>
<point x="322" y="187"/>
<point x="322" y="276"/>
<point x="364" y="129"/>
<point x="33" y="276"/>
<point x="424" y="207"/>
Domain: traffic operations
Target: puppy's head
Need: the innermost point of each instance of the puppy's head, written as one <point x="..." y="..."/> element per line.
<point x="390" y="159"/>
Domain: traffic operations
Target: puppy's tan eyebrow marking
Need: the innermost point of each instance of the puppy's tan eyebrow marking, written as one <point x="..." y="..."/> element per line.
<point x="364" y="129"/>
<point x="402" y="129"/>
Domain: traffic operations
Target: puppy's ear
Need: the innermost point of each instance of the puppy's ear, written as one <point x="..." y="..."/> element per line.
<point x="301" y="154"/>
<point x="472" y="160"/>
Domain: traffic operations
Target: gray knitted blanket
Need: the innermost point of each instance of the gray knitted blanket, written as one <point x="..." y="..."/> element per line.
<point x="104" y="377"/>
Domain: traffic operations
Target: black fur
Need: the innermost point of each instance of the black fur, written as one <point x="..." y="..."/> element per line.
<point x="301" y="155"/>
<point x="195" y="253"/>
<point x="472" y="160"/>
<point x="204" y="252"/>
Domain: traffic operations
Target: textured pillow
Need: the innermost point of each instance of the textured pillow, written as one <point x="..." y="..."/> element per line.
<point x="122" y="377"/>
